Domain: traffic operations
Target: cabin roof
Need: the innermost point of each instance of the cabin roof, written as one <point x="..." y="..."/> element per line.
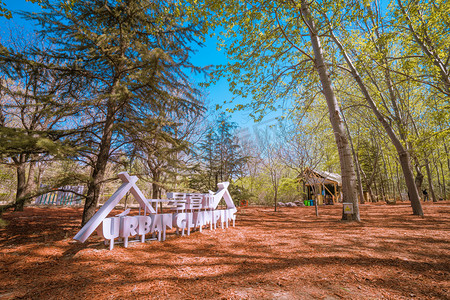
<point x="313" y="177"/>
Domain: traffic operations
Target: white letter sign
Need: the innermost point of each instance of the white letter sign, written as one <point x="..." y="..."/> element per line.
<point x="201" y="211"/>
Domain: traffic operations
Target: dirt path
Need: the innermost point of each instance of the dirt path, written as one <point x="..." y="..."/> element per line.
<point x="290" y="254"/>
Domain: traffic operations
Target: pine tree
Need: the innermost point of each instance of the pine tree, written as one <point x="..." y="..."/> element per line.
<point x="33" y="114"/>
<point x="130" y="59"/>
<point x="221" y="157"/>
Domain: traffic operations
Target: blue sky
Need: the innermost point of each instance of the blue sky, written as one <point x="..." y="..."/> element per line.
<point x="208" y="55"/>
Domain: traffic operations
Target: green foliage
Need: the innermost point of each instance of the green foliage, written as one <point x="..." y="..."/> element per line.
<point x="259" y="188"/>
<point x="288" y="189"/>
<point x="423" y="28"/>
<point x="240" y="193"/>
<point x="14" y="141"/>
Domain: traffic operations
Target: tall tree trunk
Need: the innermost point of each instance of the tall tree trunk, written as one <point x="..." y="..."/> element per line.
<point x="430" y="181"/>
<point x="402" y="152"/>
<point x="385" y="181"/>
<point x="371" y="181"/>
<point x="274" y="178"/>
<point x="98" y="172"/>
<point x="154" y="191"/>
<point x="377" y="190"/>
<point x="438" y="177"/>
<point x="383" y="189"/>
<point x="394" y="195"/>
<point x="276" y="198"/>
<point x="41" y="170"/>
<point x="216" y="179"/>
<point x="21" y="191"/>
<point x="448" y="166"/>
<point x="398" y="181"/>
<point x="31" y="181"/>
<point x="356" y="162"/>
<point x="316" y="206"/>
<point x="360" y="183"/>
<point x="444" y="192"/>
<point x="155" y="184"/>
<point x="345" y="154"/>
<point x="25" y="185"/>
<point x="419" y="175"/>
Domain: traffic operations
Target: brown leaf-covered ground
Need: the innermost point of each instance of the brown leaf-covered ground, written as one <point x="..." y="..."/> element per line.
<point x="290" y="254"/>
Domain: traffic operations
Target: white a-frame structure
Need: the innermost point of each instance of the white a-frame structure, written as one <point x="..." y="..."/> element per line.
<point x="129" y="184"/>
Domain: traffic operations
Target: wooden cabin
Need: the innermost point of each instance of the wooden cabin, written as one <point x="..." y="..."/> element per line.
<point x="322" y="186"/>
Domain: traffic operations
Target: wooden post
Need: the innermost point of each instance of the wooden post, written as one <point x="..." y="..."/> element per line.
<point x="335" y="193"/>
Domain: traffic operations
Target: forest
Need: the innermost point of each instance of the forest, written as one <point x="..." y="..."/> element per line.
<point x="359" y="88"/>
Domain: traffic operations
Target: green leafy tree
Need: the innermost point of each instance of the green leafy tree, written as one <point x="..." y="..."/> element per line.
<point x="424" y="26"/>
<point x="275" y="50"/>
<point x="288" y="189"/>
<point x="340" y="27"/>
